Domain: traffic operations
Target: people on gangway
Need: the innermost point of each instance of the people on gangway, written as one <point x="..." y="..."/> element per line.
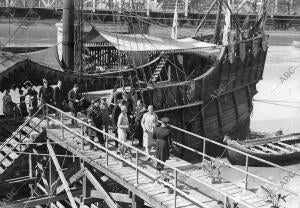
<point x="149" y="122"/>
<point x="95" y="119"/>
<point x="74" y="97"/>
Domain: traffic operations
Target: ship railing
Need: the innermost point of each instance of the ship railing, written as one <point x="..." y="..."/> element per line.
<point x="247" y="156"/>
<point x="172" y="184"/>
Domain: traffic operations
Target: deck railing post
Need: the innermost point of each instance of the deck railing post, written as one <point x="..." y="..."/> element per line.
<point x="246" y="174"/>
<point x="175" y="187"/>
<point x="137" y="163"/>
<point x="82" y="133"/>
<point x="225" y="201"/>
<point x="47" y="115"/>
<point x="62" y="125"/>
<point x="106" y="152"/>
<point x="204" y="149"/>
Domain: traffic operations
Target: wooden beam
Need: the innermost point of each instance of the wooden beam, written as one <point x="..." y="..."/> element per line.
<point x="61" y="175"/>
<point x="267" y="149"/>
<point x="280" y="148"/>
<point x="107" y="198"/>
<point x="32" y="202"/>
<point x="289" y="146"/>
<point x="68" y="173"/>
<point x="116" y="196"/>
<point x="71" y="180"/>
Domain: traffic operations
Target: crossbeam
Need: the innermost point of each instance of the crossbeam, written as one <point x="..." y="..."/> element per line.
<point x="41" y="200"/>
<point x="106" y="197"/>
<point x="61" y="175"/>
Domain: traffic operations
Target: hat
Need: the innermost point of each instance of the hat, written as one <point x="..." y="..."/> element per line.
<point x="97" y="100"/>
<point x="165" y="120"/>
<point x="123" y="107"/>
<point x="28" y="83"/>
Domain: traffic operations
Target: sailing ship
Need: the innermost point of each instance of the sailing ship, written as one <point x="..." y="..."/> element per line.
<point x="277" y="149"/>
<point x="203" y="83"/>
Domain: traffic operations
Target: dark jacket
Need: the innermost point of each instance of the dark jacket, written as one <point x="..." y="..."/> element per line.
<point x="115" y="115"/>
<point x="95" y="116"/>
<point x="72" y="97"/>
<point x="58" y="96"/>
<point x="46" y="95"/>
<point x="33" y="96"/>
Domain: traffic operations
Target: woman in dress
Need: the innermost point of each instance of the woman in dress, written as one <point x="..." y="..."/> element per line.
<point x="162" y="135"/>
<point x="149" y="122"/>
<point x="123" y="126"/>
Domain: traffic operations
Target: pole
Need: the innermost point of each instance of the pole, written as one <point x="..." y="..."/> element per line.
<point x="186" y="8"/>
<point x="68" y="35"/>
<point x="204" y="18"/>
<point x="246" y="175"/>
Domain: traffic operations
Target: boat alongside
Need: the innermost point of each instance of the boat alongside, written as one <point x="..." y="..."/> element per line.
<point x="278" y="149"/>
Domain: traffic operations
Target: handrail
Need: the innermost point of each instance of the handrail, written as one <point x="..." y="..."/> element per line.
<point x="240" y="152"/>
<point x="20" y="128"/>
<point x="20" y="143"/>
<point x="176" y="170"/>
<point x="235" y="150"/>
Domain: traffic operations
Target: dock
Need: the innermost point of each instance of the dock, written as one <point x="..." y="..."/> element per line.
<point x="81" y="183"/>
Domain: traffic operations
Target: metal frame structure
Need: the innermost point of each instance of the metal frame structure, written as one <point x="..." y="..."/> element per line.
<point x="65" y="180"/>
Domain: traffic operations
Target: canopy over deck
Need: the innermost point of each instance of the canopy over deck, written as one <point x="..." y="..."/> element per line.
<point x="147" y="43"/>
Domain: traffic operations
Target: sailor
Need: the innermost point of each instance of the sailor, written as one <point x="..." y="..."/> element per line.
<point x="23" y="108"/>
<point x="58" y="97"/>
<point x="149" y="122"/>
<point x="104" y="112"/>
<point x="123" y="126"/>
<point x="7" y="104"/>
<point x="30" y="98"/>
<point x="74" y="97"/>
<point x="45" y="95"/>
<point x="162" y="135"/>
<point x="138" y="130"/>
<point x="95" y="119"/>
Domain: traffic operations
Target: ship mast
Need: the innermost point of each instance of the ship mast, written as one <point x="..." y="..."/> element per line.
<point x="68" y="35"/>
<point x="227" y="26"/>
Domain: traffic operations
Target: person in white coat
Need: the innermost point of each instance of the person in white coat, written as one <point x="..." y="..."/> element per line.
<point x="149" y="122"/>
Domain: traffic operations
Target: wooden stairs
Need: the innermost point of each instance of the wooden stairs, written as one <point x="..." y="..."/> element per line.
<point x="158" y="69"/>
<point x="11" y="150"/>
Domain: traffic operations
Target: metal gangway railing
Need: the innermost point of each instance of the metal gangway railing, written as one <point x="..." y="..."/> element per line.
<point x="108" y="153"/>
<point x="244" y="170"/>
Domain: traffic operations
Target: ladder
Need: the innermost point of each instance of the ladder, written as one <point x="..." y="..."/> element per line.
<point x="158" y="69"/>
<point x="18" y="142"/>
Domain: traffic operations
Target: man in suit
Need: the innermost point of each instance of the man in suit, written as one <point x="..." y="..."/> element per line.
<point x="95" y="118"/>
<point x="45" y="95"/>
<point x="58" y="97"/>
<point x="74" y="97"/>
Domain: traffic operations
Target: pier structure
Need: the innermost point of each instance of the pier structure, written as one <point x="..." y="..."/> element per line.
<point x="64" y="172"/>
<point x="281" y="14"/>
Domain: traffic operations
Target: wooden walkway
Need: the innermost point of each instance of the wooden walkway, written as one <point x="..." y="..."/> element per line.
<point x="148" y="188"/>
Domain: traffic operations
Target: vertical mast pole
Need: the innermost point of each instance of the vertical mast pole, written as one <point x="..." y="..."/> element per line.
<point x="227" y="26"/>
<point x="68" y="35"/>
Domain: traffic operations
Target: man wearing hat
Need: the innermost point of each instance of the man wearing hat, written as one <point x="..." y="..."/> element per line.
<point x="7" y="104"/>
<point x="74" y="97"/>
<point x="58" y="97"/>
<point x="45" y="95"/>
<point x="30" y="98"/>
<point x="162" y="135"/>
<point x="95" y="119"/>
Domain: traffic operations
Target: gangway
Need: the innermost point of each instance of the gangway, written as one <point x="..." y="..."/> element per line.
<point x="136" y="173"/>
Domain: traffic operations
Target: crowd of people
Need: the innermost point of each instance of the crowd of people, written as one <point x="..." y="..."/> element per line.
<point x="129" y="121"/>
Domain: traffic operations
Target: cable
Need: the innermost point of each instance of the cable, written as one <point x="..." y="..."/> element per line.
<point x="289" y="106"/>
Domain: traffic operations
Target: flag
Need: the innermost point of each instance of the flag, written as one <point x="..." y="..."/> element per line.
<point x="175" y="23"/>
